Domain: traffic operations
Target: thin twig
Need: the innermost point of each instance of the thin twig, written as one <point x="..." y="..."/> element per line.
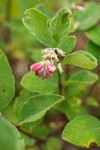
<point x="30" y="135"/>
<point x="91" y="89"/>
<point x="88" y="93"/>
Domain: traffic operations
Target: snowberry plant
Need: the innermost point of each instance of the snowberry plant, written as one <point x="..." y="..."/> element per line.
<point x="49" y="84"/>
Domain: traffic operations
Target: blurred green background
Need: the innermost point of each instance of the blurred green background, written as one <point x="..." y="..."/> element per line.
<point x="22" y="49"/>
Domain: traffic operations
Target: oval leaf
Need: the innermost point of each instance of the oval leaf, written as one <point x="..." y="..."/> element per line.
<point x="72" y="108"/>
<point x="84" y="18"/>
<point x="35" y="84"/>
<point x="83" y="77"/>
<point x="7" y="82"/>
<point x="94" y="35"/>
<point x="94" y="50"/>
<point x="36" y="22"/>
<point x="82" y="59"/>
<point x="61" y="25"/>
<point x="10" y="138"/>
<point x="67" y="44"/>
<point x="82" y="131"/>
<point x="37" y="106"/>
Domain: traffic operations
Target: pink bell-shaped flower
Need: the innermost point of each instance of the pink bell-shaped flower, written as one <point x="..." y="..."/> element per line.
<point x="36" y="66"/>
<point x="43" y="69"/>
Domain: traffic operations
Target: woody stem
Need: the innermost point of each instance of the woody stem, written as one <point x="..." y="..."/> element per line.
<point x="59" y="83"/>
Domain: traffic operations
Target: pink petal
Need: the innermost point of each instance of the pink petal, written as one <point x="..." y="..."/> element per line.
<point x="38" y="73"/>
<point x="36" y="66"/>
<point x="51" y="67"/>
<point x="48" y="74"/>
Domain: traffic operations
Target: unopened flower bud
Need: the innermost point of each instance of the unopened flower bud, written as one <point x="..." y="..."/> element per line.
<point x="60" y="68"/>
<point x="36" y="66"/>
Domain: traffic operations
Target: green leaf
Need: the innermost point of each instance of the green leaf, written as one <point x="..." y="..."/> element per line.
<point x="41" y="8"/>
<point x="94" y="50"/>
<point x="37" y="106"/>
<point x="61" y="24"/>
<point x="88" y="17"/>
<point x="35" y="84"/>
<point x="67" y="44"/>
<point x="10" y="138"/>
<point x="82" y="131"/>
<point x="72" y="108"/>
<point x="20" y="100"/>
<point x="83" y="77"/>
<point x="52" y="144"/>
<point x="9" y="113"/>
<point x="7" y="82"/>
<point x="76" y="90"/>
<point x="81" y="59"/>
<point x="91" y="101"/>
<point x="36" y="22"/>
<point x="42" y="131"/>
<point x="94" y="34"/>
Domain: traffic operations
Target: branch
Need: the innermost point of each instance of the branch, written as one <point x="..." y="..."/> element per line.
<point x="30" y="135"/>
<point x="91" y="88"/>
<point x="88" y="93"/>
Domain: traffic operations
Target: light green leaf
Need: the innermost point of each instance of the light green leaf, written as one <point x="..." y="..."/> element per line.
<point x="35" y="84"/>
<point x="83" y="77"/>
<point x="10" y="138"/>
<point x="75" y="90"/>
<point x="36" y="22"/>
<point x="88" y="17"/>
<point x="61" y="24"/>
<point x="67" y="44"/>
<point x="82" y="131"/>
<point x="7" y="82"/>
<point x="94" y="34"/>
<point x="94" y="50"/>
<point x="91" y="101"/>
<point x="45" y="11"/>
<point x="42" y="131"/>
<point x="52" y="144"/>
<point x="72" y="108"/>
<point x="81" y="59"/>
<point x="37" y="106"/>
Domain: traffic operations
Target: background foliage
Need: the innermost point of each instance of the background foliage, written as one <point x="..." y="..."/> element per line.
<point x="34" y="116"/>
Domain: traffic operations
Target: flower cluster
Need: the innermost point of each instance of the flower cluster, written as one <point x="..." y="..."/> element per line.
<point x="46" y="67"/>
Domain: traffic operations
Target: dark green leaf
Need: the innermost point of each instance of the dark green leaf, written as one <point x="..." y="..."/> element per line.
<point x="7" y="82"/>
<point x="35" y="84"/>
<point x="10" y="138"/>
<point x="37" y="106"/>
<point x="20" y="100"/>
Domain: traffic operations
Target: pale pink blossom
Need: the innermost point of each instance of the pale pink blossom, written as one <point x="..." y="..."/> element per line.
<point x="43" y="69"/>
<point x="36" y="66"/>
